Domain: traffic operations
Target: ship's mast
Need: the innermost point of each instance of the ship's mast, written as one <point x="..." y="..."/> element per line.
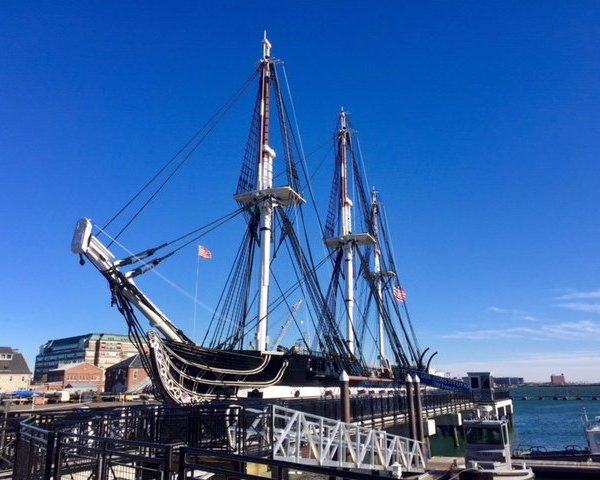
<point x="378" y="274"/>
<point x="265" y="181"/>
<point x="348" y="248"/>
<point x="347" y="240"/>
<point x="266" y="197"/>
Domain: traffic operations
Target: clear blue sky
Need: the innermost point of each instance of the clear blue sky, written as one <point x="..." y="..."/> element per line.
<point x="479" y="123"/>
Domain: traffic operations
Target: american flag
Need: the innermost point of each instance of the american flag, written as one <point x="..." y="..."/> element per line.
<point x="204" y="252"/>
<point x="399" y="294"/>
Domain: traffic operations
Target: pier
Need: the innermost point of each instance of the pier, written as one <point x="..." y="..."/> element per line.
<point x="375" y="430"/>
<point x="445" y="467"/>
<point x="168" y="439"/>
<point x="246" y="441"/>
<point x="168" y="442"/>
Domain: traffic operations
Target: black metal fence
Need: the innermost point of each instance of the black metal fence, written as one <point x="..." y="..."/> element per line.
<point x="9" y="426"/>
<point x="372" y="408"/>
<point x="74" y="456"/>
<point x="132" y="442"/>
<point x="143" y="441"/>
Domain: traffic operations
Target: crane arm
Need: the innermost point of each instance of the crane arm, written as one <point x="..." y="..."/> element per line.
<point x="288" y="322"/>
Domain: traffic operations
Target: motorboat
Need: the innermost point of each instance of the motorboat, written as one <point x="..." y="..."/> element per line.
<point x="488" y="451"/>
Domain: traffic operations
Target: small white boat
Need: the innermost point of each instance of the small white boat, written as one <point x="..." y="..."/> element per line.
<point x="487" y="450"/>
<point x="592" y="433"/>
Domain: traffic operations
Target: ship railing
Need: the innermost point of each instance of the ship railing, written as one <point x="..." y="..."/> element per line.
<point x="303" y="438"/>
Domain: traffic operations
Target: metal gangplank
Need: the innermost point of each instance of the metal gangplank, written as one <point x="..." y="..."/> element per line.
<point x="310" y="439"/>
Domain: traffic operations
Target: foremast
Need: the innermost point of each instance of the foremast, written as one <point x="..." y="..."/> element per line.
<point x="266" y="197"/>
<point x="347" y="240"/>
<point x="265" y="181"/>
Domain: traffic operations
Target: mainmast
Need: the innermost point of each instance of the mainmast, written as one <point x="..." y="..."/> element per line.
<point x="266" y="197"/>
<point x="379" y="274"/>
<point x="347" y="240"/>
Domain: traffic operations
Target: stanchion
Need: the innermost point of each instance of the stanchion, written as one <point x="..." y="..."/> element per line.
<point x="345" y="397"/>
<point x="410" y="404"/>
<point x="418" y="409"/>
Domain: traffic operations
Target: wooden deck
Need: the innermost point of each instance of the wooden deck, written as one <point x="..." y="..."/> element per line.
<point x="443" y="467"/>
<point x="559" y="468"/>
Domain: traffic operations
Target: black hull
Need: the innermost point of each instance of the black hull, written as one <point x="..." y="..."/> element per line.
<point x="192" y="374"/>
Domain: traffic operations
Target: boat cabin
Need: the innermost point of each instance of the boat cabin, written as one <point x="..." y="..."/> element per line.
<point x="487" y="451"/>
<point x="592" y="435"/>
<point x="487" y="443"/>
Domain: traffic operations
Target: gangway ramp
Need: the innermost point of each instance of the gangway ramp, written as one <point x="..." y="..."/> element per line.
<point x="310" y="439"/>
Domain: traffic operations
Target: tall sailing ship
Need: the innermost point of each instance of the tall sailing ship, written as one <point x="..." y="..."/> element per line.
<point x="352" y="297"/>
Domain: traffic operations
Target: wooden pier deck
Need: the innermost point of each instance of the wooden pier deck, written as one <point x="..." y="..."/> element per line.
<point x="445" y="467"/>
<point x="564" y="469"/>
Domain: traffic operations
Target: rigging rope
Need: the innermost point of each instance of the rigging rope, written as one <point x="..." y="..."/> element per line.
<point x="200" y="135"/>
<point x="303" y="163"/>
<point x="391" y="257"/>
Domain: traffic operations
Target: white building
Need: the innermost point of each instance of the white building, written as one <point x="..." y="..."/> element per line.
<point x="15" y="374"/>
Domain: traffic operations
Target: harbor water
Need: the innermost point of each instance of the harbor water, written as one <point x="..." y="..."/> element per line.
<point x="545" y="417"/>
<point x="550" y="417"/>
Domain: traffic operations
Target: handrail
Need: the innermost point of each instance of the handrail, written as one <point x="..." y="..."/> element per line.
<point x="304" y="438"/>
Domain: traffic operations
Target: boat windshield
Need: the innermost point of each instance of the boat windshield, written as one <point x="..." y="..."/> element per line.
<point x="484" y="435"/>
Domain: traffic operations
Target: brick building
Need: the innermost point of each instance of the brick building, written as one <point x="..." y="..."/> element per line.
<point x="557" y="379"/>
<point x="99" y="349"/>
<point x="125" y="376"/>
<point x="82" y="376"/>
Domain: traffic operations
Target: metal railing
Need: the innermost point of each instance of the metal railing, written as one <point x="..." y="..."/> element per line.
<point x="310" y="439"/>
<point x="38" y="446"/>
<point x="83" y="457"/>
<point x="53" y="455"/>
<point x="117" y="443"/>
<point x="371" y="408"/>
<point x="201" y="464"/>
<point x="9" y="426"/>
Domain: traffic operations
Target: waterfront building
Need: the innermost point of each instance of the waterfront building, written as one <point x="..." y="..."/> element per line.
<point x="76" y="376"/>
<point x="508" y="381"/>
<point x="557" y="379"/>
<point x="99" y="349"/>
<point x="15" y="374"/>
<point x="125" y="376"/>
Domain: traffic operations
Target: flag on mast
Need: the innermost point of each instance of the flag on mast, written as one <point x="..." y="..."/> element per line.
<point x="204" y="252"/>
<point x="399" y="294"/>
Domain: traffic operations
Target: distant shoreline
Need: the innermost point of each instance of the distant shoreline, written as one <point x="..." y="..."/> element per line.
<point x="550" y="385"/>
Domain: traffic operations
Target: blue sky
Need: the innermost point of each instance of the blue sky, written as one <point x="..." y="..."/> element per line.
<point x="478" y="122"/>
